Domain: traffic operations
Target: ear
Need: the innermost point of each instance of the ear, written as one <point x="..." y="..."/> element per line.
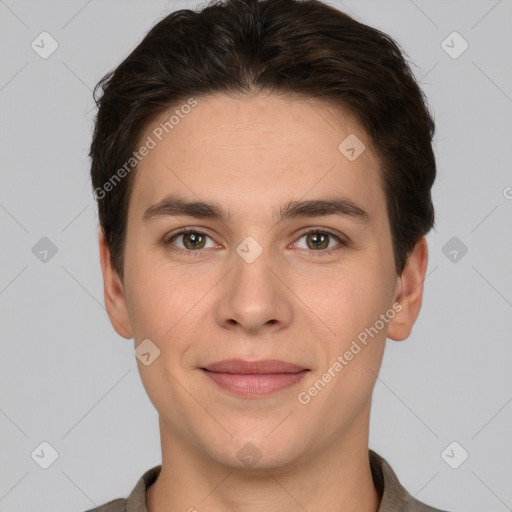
<point x="409" y="293"/>
<point x="113" y="292"/>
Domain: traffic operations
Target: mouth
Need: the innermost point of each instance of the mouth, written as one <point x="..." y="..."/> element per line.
<point x="254" y="378"/>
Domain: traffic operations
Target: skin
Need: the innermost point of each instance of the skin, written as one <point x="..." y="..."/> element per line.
<point x="253" y="154"/>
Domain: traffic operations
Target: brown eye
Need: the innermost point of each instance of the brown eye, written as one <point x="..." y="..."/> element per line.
<point x="321" y="241"/>
<point x="193" y="240"/>
<point x="189" y="240"/>
<point x="317" y="240"/>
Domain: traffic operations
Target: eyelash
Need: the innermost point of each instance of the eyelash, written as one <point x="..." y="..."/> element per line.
<point x="321" y="252"/>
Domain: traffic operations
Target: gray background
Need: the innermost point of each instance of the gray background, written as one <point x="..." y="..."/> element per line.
<point x="67" y="378"/>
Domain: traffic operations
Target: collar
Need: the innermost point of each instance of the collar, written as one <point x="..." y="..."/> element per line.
<point x="393" y="495"/>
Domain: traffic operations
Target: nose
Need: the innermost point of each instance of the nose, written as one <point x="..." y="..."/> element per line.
<point x="253" y="299"/>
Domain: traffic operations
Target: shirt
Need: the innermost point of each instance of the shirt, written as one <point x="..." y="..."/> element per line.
<point x="394" y="498"/>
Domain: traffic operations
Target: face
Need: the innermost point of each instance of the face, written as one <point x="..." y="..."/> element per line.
<point x="267" y="317"/>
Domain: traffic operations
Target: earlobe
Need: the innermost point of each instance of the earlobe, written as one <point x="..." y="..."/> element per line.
<point x="113" y="292"/>
<point x="410" y="292"/>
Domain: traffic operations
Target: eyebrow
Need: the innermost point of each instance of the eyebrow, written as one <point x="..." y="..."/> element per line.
<point x="174" y="205"/>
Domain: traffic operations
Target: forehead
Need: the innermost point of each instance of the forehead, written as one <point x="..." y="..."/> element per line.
<point x="246" y="150"/>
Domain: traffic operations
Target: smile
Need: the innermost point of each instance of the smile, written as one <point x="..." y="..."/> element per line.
<point x="254" y="378"/>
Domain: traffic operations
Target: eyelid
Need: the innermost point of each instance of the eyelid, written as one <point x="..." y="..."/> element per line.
<point x="321" y="229"/>
<point x="170" y="237"/>
<point x="343" y="241"/>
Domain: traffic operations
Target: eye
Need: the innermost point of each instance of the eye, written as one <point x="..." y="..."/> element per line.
<point x="191" y="240"/>
<point x="319" y="240"/>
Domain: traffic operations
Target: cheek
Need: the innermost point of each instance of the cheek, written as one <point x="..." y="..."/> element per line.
<point x="347" y="299"/>
<point x="158" y="306"/>
<point x="157" y="297"/>
<point x="171" y="305"/>
<point x="349" y="360"/>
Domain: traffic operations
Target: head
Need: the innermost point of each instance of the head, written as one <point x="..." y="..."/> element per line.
<point x="294" y="146"/>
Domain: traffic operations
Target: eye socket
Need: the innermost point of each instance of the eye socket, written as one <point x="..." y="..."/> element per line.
<point x="194" y="240"/>
<point x="320" y="240"/>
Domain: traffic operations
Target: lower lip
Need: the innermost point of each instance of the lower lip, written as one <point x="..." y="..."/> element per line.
<point x="254" y="385"/>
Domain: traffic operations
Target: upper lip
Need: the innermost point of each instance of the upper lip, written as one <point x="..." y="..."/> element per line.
<point x="240" y="366"/>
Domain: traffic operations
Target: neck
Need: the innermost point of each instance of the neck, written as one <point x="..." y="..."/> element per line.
<point x="336" y="477"/>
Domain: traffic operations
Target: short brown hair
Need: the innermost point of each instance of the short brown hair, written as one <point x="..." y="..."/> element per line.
<point x="294" y="46"/>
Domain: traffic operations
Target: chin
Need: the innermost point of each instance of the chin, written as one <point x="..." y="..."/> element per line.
<point x="258" y="451"/>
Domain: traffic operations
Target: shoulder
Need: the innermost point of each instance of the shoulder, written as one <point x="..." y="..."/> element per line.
<point x="136" y="501"/>
<point x="413" y="505"/>
<point x="394" y="497"/>
<point x="117" y="505"/>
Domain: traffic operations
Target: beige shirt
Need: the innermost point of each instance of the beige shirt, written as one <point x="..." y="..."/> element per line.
<point x="394" y="498"/>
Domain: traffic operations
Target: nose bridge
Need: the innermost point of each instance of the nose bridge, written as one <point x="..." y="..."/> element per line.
<point x="252" y="296"/>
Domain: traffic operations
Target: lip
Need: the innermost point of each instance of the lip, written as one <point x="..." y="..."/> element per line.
<point x="254" y="378"/>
